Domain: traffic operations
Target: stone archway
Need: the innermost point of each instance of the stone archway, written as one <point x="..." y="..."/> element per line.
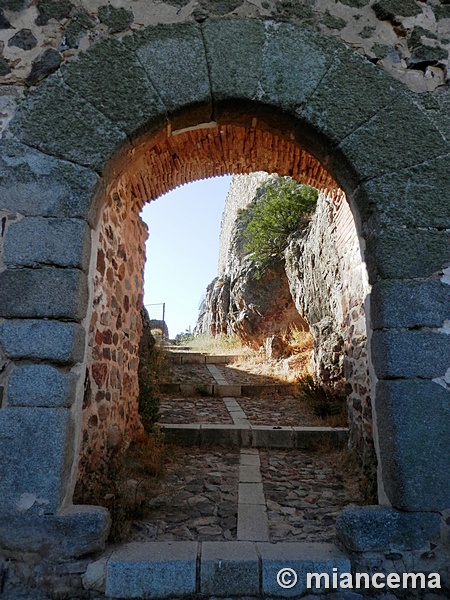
<point x="74" y="135"/>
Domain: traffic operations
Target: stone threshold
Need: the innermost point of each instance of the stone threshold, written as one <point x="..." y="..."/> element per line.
<point x="176" y="569"/>
<point x="198" y="358"/>
<point x="254" y="436"/>
<point x="227" y="390"/>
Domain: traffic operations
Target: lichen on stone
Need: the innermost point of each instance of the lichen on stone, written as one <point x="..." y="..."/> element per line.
<point x="442" y="12"/>
<point x="52" y="9"/>
<point x="79" y="25"/>
<point x="381" y="50"/>
<point x="292" y="8"/>
<point x="389" y="10"/>
<point x="423" y="53"/>
<point x="367" y="31"/>
<point x="333" y="22"/>
<point x="117" y="19"/>
<point x="355" y="3"/>
<point x="220" y="8"/>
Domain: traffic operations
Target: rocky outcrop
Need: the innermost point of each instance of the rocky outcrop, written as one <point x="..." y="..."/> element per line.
<point x="240" y="300"/>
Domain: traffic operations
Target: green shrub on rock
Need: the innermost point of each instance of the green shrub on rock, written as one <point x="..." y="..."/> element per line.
<point x="282" y="207"/>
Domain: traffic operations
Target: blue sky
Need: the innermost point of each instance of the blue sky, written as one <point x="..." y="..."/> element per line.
<point x="183" y="248"/>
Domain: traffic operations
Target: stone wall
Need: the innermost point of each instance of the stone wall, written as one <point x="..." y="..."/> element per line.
<point x="241" y="191"/>
<point x="111" y="389"/>
<point x="328" y="281"/>
<point x="408" y="38"/>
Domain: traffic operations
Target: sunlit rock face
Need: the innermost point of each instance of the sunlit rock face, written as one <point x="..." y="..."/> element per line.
<point x="241" y="300"/>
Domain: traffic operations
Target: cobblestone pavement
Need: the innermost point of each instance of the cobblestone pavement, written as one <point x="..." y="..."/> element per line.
<point x="304" y="494"/>
<point x="194" y="410"/>
<point x="197" y="500"/>
<point x="234" y="374"/>
<point x="190" y="374"/>
<point x="272" y="409"/>
<point x="278" y="410"/>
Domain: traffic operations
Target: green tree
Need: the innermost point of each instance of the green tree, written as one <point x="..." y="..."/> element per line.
<point x="282" y="207"/>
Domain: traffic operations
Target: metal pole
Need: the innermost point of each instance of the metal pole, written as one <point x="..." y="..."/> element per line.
<point x="164" y="318"/>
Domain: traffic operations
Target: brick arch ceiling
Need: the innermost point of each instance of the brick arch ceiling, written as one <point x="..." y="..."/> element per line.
<point x="213" y="150"/>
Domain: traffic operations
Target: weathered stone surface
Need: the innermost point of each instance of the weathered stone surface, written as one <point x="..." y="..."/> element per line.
<point x="437" y="106"/>
<point x="126" y="96"/>
<point x="46" y="63"/>
<point x="252" y="523"/>
<point x="5" y="68"/>
<point x="303" y="559"/>
<point x="388" y="253"/>
<point x="413" y="432"/>
<point x="37" y="447"/>
<point x="238" y="301"/>
<point x="80" y="133"/>
<point x="411" y="197"/>
<point x="294" y="62"/>
<point x="390" y="9"/>
<point x="372" y="152"/>
<point x="229" y="567"/>
<point x="23" y="39"/>
<point x="95" y="576"/>
<point x="377" y="528"/>
<point x="234" y="51"/>
<point x="76" y="531"/>
<point x="117" y="19"/>
<point x="316" y="287"/>
<point x="53" y="9"/>
<point x="168" y="55"/>
<point x="34" y="184"/>
<point x="410" y="354"/>
<point x="340" y="104"/>
<point x="158" y="569"/>
<point x="409" y="304"/>
<point x="55" y="341"/>
<point x="47" y="292"/>
<point x="4" y="23"/>
<point x="37" y="241"/>
<point x="41" y="385"/>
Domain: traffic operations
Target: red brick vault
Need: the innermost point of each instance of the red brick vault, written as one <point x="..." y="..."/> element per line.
<point x="135" y="117"/>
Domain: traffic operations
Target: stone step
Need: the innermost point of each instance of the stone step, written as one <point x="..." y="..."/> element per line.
<point x="199" y="358"/>
<point x="257" y="436"/>
<point x="227" y="390"/>
<point x="177" y="569"/>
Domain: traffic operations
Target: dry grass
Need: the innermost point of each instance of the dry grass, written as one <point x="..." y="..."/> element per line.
<point x="298" y="348"/>
<point x="134" y="479"/>
<point x="219" y="344"/>
<point x="346" y="465"/>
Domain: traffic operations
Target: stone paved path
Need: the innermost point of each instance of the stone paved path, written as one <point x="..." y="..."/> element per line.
<point x="245" y="494"/>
